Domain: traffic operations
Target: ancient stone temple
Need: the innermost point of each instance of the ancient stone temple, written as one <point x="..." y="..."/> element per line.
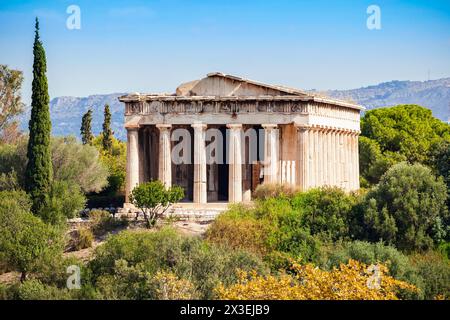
<point x="267" y="134"/>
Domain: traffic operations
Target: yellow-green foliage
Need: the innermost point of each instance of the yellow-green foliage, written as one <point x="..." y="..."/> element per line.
<point x="115" y="160"/>
<point x="239" y="232"/>
<point x="353" y="281"/>
<point x="84" y="240"/>
<point x="271" y="190"/>
<point x="167" y="286"/>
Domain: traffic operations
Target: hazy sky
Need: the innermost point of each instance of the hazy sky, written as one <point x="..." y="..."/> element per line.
<point x="152" y="46"/>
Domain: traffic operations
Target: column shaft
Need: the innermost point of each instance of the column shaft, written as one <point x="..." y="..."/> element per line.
<point x="271" y="145"/>
<point x="235" y="163"/>
<point x="165" y="157"/>
<point x="200" y="194"/>
<point x="132" y="161"/>
<point x="303" y="170"/>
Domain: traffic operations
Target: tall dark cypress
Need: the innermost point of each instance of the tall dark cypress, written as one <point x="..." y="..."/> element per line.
<point x="86" y="128"/>
<point x="107" y="133"/>
<point x="39" y="170"/>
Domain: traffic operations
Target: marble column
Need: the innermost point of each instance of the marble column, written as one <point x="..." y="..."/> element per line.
<point x="271" y="157"/>
<point x="165" y="156"/>
<point x="332" y="149"/>
<point x="200" y="194"/>
<point x="357" y="159"/>
<point x="132" y="161"/>
<point x="325" y="156"/>
<point x="303" y="157"/>
<point x="339" y="166"/>
<point x="312" y="159"/>
<point x="347" y="160"/>
<point x="235" y="163"/>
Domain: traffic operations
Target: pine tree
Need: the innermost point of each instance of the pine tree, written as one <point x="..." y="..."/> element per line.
<point x="107" y="133"/>
<point x="86" y="128"/>
<point x="39" y="170"/>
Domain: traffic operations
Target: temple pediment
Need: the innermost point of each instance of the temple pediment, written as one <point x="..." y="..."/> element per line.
<point x="224" y="85"/>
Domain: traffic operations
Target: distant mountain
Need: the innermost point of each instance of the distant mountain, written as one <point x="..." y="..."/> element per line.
<point x="66" y="112"/>
<point x="433" y="94"/>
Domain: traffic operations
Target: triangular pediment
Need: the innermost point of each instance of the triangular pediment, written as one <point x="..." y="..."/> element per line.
<point x="219" y="84"/>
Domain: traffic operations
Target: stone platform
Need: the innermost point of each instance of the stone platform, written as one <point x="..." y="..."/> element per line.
<point x="186" y="211"/>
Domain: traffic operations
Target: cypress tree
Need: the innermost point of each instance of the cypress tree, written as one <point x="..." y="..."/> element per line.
<point x="39" y="170"/>
<point x="107" y="133"/>
<point x="86" y="129"/>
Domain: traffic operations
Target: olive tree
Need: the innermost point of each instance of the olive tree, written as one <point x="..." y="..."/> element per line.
<point x="153" y="199"/>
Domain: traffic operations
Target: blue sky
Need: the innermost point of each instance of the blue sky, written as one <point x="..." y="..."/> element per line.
<point x="152" y="46"/>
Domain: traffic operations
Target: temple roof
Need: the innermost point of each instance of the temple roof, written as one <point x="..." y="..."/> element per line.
<point x="223" y="87"/>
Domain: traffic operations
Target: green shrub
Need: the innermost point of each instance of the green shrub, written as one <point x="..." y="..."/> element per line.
<point x="444" y="249"/>
<point x="26" y="243"/>
<point x="35" y="290"/>
<point x="143" y="254"/>
<point x="84" y="240"/>
<point x="407" y="208"/>
<point x="326" y="211"/>
<point x="239" y="233"/>
<point x="102" y="222"/>
<point x="153" y="199"/>
<point x="64" y="201"/>
<point x="434" y="272"/>
<point x="272" y="190"/>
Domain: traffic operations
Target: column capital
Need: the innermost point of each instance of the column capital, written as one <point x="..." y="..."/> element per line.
<point x="131" y="127"/>
<point x="163" y="126"/>
<point x="234" y="126"/>
<point x="269" y="126"/>
<point x="302" y="127"/>
<point x="199" y="126"/>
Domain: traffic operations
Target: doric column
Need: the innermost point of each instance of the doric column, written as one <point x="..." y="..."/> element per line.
<point x="339" y="167"/>
<point x="303" y="157"/>
<point x="347" y="160"/>
<point x="132" y="161"/>
<point x="319" y="157"/>
<point x="312" y="158"/>
<point x="165" y="157"/>
<point x="325" y="156"/>
<point x="331" y="150"/>
<point x="235" y="163"/>
<point x="200" y="194"/>
<point x="271" y="145"/>
<point x="357" y="159"/>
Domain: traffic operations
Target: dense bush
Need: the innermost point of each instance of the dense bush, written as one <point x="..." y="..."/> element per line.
<point x="126" y="262"/>
<point x="64" y="201"/>
<point x="434" y="275"/>
<point x="84" y="238"/>
<point x="102" y="222"/>
<point x="271" y="190"/>
<point x="35" y="290"/>
<point x="115" y="162"/>
<point x="72" y="162"/>
<point x="238" y="230"/>
<point x="326" y="211"/>
<point x="26" y="243"/>
<point x="407" y="208"/>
